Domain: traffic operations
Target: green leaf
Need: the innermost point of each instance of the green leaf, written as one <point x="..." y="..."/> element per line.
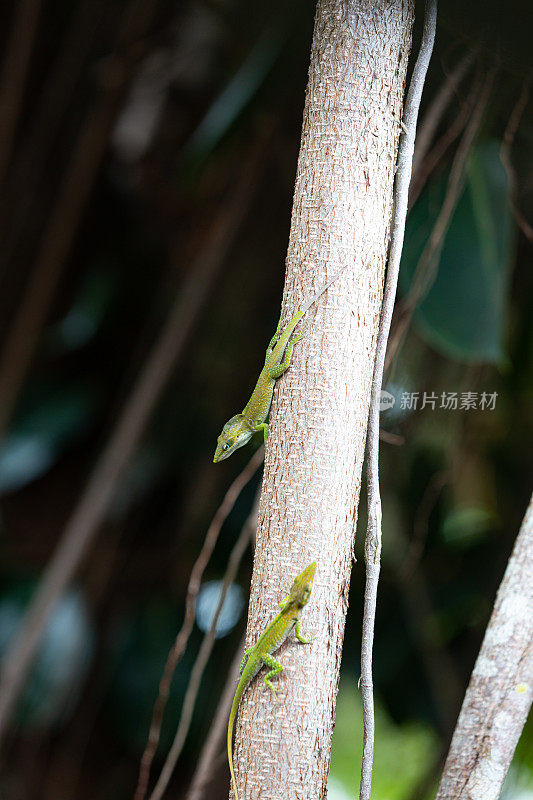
<point x="464" y="313"/>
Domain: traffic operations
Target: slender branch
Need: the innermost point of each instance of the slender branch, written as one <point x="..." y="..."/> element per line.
<point x="92" y="507"/>
<point x="426" y="270"/>
<point x="373" y="534"/>
<point x="182" y="638"/>
<point x="427" y="266"/>
<point x="505" y="155"/>
<point x="204" y="653"/>
<point x="32" y="154"/>
<point x="421" y="524"/>
<point x="444" y="682"/>
<point x="437" y="152"/>
<point x="391" y="438"/>
<point x="14" y="70"/>
<point x="212" y="745"/>
<point x="67" y="213"/>
<point x="433" y="116"/>
<point x="500" y="692"/>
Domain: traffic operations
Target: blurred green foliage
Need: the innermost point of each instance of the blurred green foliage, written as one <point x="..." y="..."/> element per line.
<point x="463" y="312"/>
<point x="402" y="752"/>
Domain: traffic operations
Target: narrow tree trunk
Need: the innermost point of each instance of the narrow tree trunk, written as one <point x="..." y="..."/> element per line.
<point x="341" y="214"/>
<point x="499" y="695"/>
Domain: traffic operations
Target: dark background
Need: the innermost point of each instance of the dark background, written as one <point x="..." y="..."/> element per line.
<point x="132" y="130"/>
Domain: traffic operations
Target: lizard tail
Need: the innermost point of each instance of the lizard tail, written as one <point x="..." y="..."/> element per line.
<point x="321" y="291"/>
<point x="233" y="714"/>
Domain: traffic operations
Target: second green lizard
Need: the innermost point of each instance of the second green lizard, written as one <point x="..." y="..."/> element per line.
<point x="272" y="637"/>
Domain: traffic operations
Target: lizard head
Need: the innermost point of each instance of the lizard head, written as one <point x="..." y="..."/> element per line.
<point x="235" y="433"/>
<point x="301" y="588"/>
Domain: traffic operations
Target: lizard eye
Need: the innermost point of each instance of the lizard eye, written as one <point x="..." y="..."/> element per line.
<point x="228" y="445"/>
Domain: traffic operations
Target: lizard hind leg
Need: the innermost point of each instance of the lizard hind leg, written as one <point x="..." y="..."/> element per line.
<point x="273" y="341"/>
<point x="275" y="669"/>
<point x="277" y="372"/>
<point x="245" y="659"/>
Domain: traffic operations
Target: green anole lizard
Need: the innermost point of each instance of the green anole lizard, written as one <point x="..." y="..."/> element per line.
<point x="240" y="428"/>
<point x="272" y="637"/>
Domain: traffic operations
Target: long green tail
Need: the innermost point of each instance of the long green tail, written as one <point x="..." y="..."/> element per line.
<point x="233" y="713"/>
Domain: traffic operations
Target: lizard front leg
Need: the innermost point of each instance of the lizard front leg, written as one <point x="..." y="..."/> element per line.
<point x="275" y="669"/>
<point x="263" y="426"/>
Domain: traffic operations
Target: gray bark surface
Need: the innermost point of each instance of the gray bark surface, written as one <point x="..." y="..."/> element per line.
<point x="341" y="214"/>
<point x="500" y="691"/>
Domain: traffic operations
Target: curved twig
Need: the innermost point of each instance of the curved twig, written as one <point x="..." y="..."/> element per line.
<point x="210" y="750"/>
<point x="14" y="72"/>
<point x="373" y="533"/>
<point x="426" y="269"/>
<point x="74" y="192"/>
<point x="182" y="638"/>
<point x="432" y="119"/>
<point x="92" y="507"/>
<point x="206" y="647"/>
<point x="505" y="156"/>
<point x="437" y="152"/>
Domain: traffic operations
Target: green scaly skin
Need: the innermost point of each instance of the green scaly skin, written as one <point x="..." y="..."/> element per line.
<point x="240" y="428"/>
<point x="272" y="637"/>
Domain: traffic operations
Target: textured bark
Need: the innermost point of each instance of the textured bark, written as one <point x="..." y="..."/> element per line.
<point x="341" y="214"/>
<point x="499" y="695"/>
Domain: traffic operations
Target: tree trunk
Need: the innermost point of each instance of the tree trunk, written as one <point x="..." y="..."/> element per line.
<point x="499" y="695"/>
<point x="341" y="214"/>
